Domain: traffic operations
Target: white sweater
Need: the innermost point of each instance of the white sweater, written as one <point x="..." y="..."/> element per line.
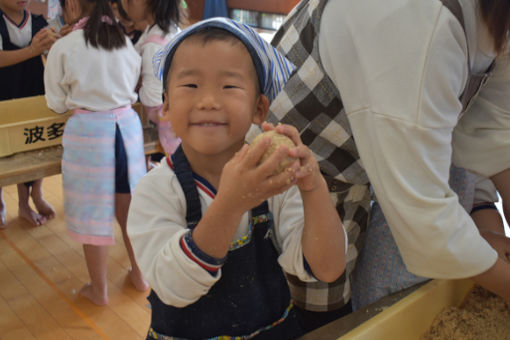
<point x="400" y="66"/>
<point x="79" y="76"/>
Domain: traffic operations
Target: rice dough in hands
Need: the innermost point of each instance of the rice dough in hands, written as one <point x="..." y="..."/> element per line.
<point x="302" y="160"/>
<point x="277" y="140"/>
<point x="246" y="182"/>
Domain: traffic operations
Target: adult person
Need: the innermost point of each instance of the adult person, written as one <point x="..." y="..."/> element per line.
<point x="378" y="94"/>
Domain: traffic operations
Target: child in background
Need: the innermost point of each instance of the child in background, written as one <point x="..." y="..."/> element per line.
<point x="93" y="71"/>
<point x="23" y="39"/>
<point x="163" y="18"/>
<point x="55" y="16"/>
<point x="125" y="23"/>
<point x="211" y="227"/>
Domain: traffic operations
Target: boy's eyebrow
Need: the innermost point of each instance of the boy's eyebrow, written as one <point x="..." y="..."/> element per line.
<point x="233" y="74"/>
<point x="193" y="72"/>
<point x="187" y="72"/>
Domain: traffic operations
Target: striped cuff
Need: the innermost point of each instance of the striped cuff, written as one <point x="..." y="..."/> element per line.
<point x="209" y="263"/>
<point x="482" y="206"/>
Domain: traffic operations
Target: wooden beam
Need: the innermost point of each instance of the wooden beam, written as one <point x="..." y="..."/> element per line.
<point x="196" y="7"/>
<point x="270" y="6"/>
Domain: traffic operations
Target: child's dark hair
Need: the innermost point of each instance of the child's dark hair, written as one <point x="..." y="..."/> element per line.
<point x="166" y="13"/>
<point x="122" y="11"/>
<point x="496" y="16"/>
<point x="204" y="36"/>
<point x="101" y="30"/>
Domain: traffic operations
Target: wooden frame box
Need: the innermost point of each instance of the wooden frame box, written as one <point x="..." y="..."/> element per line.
<point x="412" y="316"/>
<point x="28" y="124"/>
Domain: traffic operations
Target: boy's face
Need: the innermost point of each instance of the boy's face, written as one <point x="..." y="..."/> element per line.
<point x="212" y="96"/>
<point x="13" y="6"/>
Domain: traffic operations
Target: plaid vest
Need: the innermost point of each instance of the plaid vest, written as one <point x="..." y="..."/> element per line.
<point x="311" y="102"/>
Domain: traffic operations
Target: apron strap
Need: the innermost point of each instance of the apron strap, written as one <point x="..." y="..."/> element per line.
<point x="261" y="209"/>
<point x="184" y="174"/>
<point x="3" y="31"/>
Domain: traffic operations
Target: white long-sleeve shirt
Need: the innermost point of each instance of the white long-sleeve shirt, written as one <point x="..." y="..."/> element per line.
<point x="151" y="90"/>
<point x="78" y="76"/>
<point x="400" y="66"/>
<point x="157" y="222"/>
<point x="18" y="35"/>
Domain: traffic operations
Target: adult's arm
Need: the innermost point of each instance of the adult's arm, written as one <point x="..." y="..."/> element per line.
<point x="400" y="70"/>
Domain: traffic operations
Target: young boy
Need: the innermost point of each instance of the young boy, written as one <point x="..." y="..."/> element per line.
<point x="206" y="225"/>
<point x="23" y="39"/>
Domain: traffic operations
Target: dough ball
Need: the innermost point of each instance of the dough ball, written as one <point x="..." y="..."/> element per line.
<point x="276" y="141"/>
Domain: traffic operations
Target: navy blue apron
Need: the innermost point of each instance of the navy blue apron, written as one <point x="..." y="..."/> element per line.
<point x="252" y="294"/>
<point x="24" y="79"/>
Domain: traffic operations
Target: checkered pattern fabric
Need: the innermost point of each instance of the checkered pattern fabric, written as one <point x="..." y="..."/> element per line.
<point x="311" y="102"/>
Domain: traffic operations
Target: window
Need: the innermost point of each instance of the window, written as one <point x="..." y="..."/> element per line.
<point x="260" y="20"/>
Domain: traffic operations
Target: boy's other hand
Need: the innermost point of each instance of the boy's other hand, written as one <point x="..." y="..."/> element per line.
<point x="245" y="183"/>
<point x="307" y="173"/>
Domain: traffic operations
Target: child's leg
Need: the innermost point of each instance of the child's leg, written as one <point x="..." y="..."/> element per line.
<point x="24" y="210"/>
<point x="2" y="210"/>
<point x="121" y="212"/>
<point x="97" y="260"/>
<point x="43" y="207"/>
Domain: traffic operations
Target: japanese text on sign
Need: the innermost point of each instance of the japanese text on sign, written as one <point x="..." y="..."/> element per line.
<point x="36" y="133"/>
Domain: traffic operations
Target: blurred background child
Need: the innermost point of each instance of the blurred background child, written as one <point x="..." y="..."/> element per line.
<point x="93" y="71"/>
<point x="23" y="38"/>
<point x="163" y="18"/>
<point x="130" y="29"/>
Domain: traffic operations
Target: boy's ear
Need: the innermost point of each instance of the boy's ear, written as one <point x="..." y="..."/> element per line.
<point x="261" y="108"/>
<point x="165" y="110"/>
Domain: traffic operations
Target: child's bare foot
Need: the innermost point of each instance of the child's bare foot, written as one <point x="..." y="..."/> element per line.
<point x="31" y="216"/>
<point x="44" y="208"/>
<point x="138" y="281"/>
<point x="97" y="298"/>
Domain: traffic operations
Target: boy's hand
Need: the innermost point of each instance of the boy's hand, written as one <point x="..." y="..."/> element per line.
<point x="245" y="183"/>
<point x="307" y="173"/>
<point x="43" y="40"/>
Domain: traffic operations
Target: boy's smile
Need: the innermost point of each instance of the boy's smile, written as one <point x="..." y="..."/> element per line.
<point x="212" y="97"/>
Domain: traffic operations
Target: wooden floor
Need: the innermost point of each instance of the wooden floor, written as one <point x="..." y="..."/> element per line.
<point x="41" y="270"/>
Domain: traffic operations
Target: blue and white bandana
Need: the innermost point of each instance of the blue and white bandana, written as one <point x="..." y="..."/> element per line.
<point x="273" y="69"/>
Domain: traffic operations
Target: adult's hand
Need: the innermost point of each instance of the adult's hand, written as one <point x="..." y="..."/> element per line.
<point x="499" y="242"/>
<point x="497" y="278"/>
